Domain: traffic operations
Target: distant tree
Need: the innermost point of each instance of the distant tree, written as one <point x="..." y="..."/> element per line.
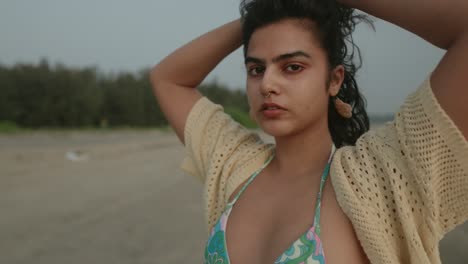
<point x="58" y="96"/>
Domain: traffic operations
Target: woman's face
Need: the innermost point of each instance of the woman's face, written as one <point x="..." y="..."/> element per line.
<point x="285" y="59"/>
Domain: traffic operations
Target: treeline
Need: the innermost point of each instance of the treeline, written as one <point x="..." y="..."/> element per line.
<point x="42" y="95"/>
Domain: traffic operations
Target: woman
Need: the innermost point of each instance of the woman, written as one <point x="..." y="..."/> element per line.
<point x="394" y="192"/>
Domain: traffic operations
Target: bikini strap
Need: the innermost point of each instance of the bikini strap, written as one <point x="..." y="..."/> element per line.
<point x="254" y="175"/>
<point x="318" y="204"/>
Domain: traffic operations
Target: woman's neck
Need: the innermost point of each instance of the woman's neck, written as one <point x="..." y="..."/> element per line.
<point x="302" y="154"/>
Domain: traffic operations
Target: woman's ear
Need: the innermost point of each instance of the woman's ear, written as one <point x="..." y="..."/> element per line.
<point x="336" y="80"/>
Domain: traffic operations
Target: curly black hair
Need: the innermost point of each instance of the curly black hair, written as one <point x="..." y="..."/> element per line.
<point x="335" y="24"/>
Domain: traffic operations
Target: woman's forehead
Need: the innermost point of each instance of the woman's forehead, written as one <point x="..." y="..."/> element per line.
<point x="282" y="37"/>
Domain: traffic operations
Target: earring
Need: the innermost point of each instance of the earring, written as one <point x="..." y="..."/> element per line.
<point x="344" y="109"/>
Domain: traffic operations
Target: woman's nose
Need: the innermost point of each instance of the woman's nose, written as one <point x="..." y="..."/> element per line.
<point x="269" y="84"/>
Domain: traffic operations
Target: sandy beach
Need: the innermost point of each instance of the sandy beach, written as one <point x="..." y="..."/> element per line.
<point x="109" y="197"/>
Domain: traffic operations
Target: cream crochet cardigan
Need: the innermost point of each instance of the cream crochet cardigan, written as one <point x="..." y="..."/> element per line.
<point x="403" y="186"/>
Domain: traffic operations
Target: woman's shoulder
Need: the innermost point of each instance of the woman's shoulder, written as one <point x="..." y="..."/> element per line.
<point x="419" y="137"/>
<point x="417" y="153"/>
<point x="405" y="177"/>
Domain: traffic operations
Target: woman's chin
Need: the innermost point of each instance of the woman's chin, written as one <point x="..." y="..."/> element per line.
<point x="276" y="130"/>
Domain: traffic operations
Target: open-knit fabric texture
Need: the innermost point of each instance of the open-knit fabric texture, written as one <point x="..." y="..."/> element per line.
<point x="403" y="185"/>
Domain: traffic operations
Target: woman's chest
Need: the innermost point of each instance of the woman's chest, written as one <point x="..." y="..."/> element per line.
<point x="263" y="226"/>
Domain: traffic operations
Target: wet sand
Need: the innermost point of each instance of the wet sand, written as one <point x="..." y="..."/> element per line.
<point x="124" y="201"/>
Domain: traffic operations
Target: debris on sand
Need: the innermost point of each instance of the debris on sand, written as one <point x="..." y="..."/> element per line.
<point x="76" y="156"/>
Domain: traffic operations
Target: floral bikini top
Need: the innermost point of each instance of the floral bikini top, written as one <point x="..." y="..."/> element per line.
<point x="305" y="250"/>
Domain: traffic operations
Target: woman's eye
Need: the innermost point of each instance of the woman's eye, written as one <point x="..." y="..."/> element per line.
<point x="255" y="71"/>
<point x="294" y="68"/>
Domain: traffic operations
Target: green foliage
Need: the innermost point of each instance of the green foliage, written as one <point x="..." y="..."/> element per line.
<point x="228" y="98"/>
<point x="45" y="96"/>
<point x="8" y="127"/>
<point x="241" y="117"/>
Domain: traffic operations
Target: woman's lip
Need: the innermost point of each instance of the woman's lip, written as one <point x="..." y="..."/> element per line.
<point x="266" y="106"/>
<point x="272" y="113"/>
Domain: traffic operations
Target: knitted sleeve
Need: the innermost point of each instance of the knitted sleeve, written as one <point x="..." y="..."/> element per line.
<point x="405" y="184"/>
<point x="437" y="155"/>
<point x="221" y="153"/>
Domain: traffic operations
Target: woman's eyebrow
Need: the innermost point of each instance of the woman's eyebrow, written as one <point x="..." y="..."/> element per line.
<point x="279" y="58"/>
<point x="253" y="60"/>
<point x="291" y="55"/>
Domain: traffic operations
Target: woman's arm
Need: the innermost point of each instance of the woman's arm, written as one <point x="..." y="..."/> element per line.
<point x="175" y="77"/>
<point x="443" y="23"/>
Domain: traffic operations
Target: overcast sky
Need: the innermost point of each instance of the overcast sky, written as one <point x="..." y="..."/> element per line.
<point x="117" y="35"/>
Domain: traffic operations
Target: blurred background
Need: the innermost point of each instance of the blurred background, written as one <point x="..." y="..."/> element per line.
<point x="89" y="170"/>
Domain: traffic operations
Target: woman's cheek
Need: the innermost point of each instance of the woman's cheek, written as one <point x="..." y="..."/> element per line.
<point x="252" y="114"/>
